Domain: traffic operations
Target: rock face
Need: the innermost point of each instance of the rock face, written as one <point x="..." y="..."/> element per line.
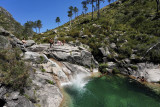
<point x="104" y="53"/>
<point x="4" y="32"/>
<point x="35" y="57"/>
<point x="45" y="90"/>
<point x="29" y="43"/>
<point x="7" y="39"/>
<point x="10" y="98"/>
<point x="4" y="43"/>
<point x="48" y="73"/>
<point x="10" y="24"/>
<point x="73" y="55"/>
<point x="38" y="48"/>
<point x="150" y="71"/>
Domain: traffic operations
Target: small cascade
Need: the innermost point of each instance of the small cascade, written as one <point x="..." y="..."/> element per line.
<point x="48" y="59"/>
<point x="79" y="81"/>
<point x="54" y="63"/>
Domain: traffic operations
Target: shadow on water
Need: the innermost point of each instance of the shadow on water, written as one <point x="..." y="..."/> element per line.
<point x="137" y="87"/>
<point x="112" y="91"/>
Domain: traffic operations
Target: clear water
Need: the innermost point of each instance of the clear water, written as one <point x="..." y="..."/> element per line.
<point x="112" y="91"/>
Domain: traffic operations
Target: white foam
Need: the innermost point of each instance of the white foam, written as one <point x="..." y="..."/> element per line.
<point x="95" y="70"/>
<point x="78" y="81"/>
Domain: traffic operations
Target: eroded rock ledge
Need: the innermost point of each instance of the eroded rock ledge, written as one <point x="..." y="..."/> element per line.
<point x="47" y="74"/>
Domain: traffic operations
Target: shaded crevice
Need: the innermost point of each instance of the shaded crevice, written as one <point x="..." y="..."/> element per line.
<point x="2" y="103"/>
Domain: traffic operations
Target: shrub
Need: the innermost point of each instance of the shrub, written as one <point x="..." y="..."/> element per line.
<point x="125" y="50"/>
<point x="134" y="67"/>
<point x="116" y="71"/>
<point x="50" y="82"/>
<point x="74" y="33"/>
<point x="102" y="67"/>
<point x="69" y="39"/>
<point x="13" y="71"/>
<point x="137" y="21"/>
<point x="42" y="69"/>
<point x="42" y="59"/>
<point x="62" y="34"/>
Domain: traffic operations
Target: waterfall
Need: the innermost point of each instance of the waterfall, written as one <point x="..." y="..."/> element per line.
<point x="54" y="63"/>
<point x="78" y="79"/>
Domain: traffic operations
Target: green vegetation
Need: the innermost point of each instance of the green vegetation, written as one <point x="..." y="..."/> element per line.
<point x="75" y="10"/>
<point x="134" y="67"/>
<point x="13" y="71"/>
<point x="42" y="69"/>
<point x="84" y="5"/>
<point x="39" y="25"/>
<point x="42" y="59"/>
<point x="103" y="67"/>
<point x="116" y="71"/>
<point x="50" y="82"/>
<point x="134" y="26"/>
<point x="58" y="20"/>
<point x="28" y="32"/>
<point x="9" y="24"/>
<point x="70" y="14"/>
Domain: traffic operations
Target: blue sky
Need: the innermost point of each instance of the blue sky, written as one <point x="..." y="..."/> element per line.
<point x="45" y="10"/>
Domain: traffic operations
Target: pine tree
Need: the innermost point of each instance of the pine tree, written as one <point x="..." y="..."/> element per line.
<point x="75" y="10"/>
<point x="35" y="25"/>
<point x="84" y="5"/>
<point x="70" y="14"/>
<point x="58" y="20"/>
<point x="39" y="24"/>
<point x="157" y="1"/>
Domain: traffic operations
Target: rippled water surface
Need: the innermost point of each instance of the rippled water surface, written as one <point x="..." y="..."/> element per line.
<point x="111" y="91"/>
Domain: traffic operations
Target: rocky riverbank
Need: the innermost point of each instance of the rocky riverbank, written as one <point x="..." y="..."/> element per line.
<point x="131" y="67"/>
<point x="50" y="68"/>
<point x="53" y="67"/>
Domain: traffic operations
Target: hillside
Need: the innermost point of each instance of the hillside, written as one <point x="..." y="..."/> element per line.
<point x="128" y="28"/>
<point x="9" y="23"/>
<point x="91" y="59"/>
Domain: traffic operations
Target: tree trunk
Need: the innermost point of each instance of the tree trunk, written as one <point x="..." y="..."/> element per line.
<point x="92" y="9"/>
<point x="70" y="22"/>
<point x="98" y="14"/>
<point x="36" y="30"/>
<point x="96" y="4"/>
<point x="39" y="30"/>
<point x="157" y="5"/>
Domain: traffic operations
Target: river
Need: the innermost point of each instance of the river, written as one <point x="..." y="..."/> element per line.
<point x="110" y="91"/>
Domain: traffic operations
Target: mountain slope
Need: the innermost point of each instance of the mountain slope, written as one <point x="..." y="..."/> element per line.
<point x="128" y="28"/>
<point x="9" y="23"/>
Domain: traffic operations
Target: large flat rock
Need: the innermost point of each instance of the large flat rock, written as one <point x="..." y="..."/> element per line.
<point x="153" y="75"/>
<point x="75" y="55"/>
